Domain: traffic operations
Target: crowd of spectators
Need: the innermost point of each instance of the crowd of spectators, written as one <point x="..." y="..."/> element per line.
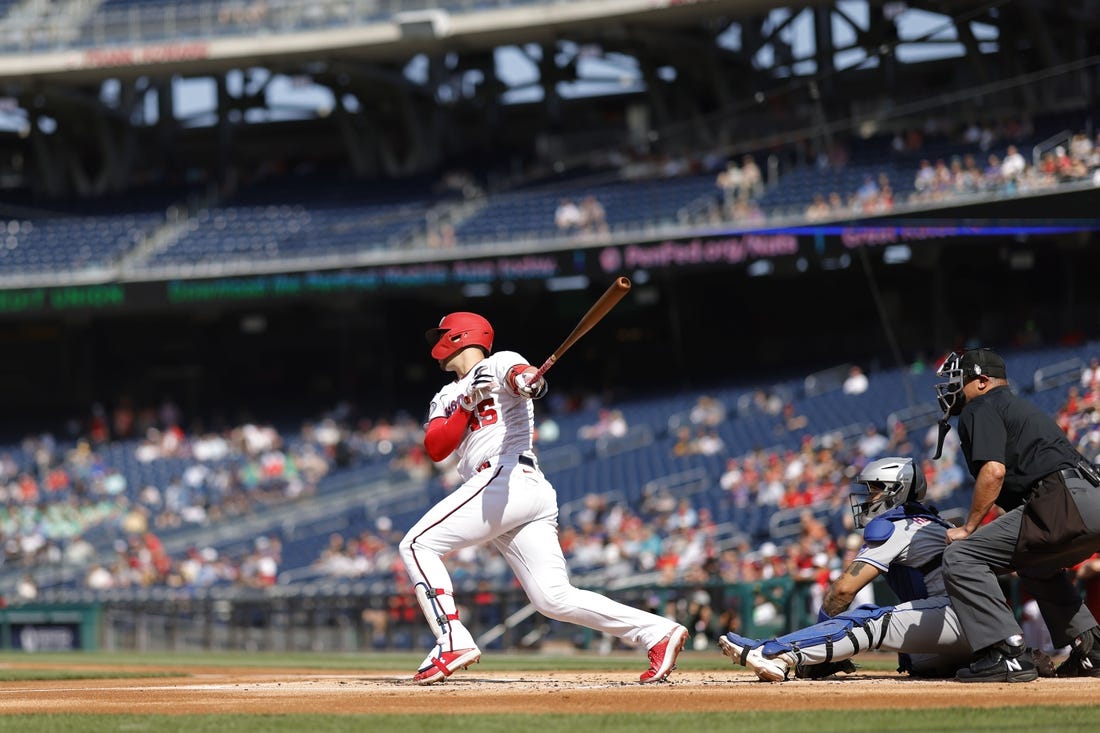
<point x="55" y="500"/>
<point x="610" y="423"/>
<point x="1079" y="415"/>
<point x="740" y="186"/>
<point x="586" y="218"/>
<point x="367" y="553"/>
<point x="1007" y="174"/>
<point x="59" y="494"/>
<point x="989" y="169"/>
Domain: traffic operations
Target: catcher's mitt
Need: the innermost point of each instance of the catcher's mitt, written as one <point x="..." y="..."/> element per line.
<point x="823" y="670"/>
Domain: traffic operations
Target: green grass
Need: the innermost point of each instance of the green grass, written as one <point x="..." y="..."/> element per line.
<point x="1063" y="720"/>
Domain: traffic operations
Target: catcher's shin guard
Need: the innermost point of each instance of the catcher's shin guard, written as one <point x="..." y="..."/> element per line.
<point x="850" y="632"/>
<point x="433" y="611"/>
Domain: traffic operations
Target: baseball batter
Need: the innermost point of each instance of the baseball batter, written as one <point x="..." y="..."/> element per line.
<point x="486" y="417"/>
<point x="905" y="539"/>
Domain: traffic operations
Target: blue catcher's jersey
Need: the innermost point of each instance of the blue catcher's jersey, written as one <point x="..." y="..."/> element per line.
<point x="906" y="545"/>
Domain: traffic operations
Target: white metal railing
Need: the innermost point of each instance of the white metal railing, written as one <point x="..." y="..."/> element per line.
<point x="697" y="210"/>
<point x="825" y="380"/>
<point x="841" y="435"/>
<point x="915" y="417"/>
<point x="1058" y="374"/>
<point x="788" y="522"/>
<point x="560" y="457"/>
<point x="746" y="403"/>
<point x="684" y="483"/>
<point x="511" y="622"/>
<point x="637" y="436"/>
<point x="570" y="508"/>
<point x="1041" y="148"/>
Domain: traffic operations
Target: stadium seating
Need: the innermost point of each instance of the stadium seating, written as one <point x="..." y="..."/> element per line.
<point x="327" y="217"/>
<point x="299" y="218"/>
<point x="72" y="236"/>
<point x="629" y="206"/>
<point x="71" y="243"/>
<point x="874" y="157"/>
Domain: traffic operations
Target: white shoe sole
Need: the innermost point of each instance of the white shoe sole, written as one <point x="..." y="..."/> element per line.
<point x="471" y="657"/>
<point x="769" y="670"/>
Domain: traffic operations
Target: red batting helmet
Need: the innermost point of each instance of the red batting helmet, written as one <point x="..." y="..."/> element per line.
<point x="456" y="332"/>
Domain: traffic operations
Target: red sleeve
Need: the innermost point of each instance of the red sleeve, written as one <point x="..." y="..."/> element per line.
<point x="445" y="433"/>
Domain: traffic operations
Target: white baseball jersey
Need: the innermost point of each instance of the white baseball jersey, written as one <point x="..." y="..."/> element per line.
<point x="506" y="501"/>
<point x="505" y="420"/>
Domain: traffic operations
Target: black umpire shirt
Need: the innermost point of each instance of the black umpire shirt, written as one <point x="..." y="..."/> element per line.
<point x="1000" y="426"/>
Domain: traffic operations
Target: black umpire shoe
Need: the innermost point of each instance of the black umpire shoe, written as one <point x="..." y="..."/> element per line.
<point x="1002" y="662"/>
<point x="1084" y="657"/>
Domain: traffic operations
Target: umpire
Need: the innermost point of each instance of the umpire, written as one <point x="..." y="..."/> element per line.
<point x="1049" y="519"/>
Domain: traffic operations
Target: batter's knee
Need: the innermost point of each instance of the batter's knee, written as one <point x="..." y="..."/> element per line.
<point x="405" y="547"/>
<point x="553" y="604"/>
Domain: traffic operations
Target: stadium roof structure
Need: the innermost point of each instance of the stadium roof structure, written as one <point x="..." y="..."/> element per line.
<point x="209" y="36"/>
<point x="725" y="74"/>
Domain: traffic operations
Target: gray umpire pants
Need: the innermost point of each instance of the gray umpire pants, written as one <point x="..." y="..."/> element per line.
<point x="970" y="569"/>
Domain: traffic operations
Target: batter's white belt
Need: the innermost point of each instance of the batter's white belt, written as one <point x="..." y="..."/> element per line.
<point x="525" y="460"/>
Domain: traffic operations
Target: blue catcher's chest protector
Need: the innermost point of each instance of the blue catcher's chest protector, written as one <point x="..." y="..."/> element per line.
<point x="906" y="582"/>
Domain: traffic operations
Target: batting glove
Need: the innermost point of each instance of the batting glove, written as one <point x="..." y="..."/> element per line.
<point x="533" y="390"/>
<point x="480" y="387"/>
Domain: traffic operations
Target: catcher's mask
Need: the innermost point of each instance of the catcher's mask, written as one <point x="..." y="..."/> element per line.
<point x="458" y="331"/>
<point x="958" y="369"/>
<point x="890" y="483"/>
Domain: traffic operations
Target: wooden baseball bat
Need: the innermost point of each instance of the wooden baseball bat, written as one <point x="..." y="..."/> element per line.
<point x="599" y="309"/>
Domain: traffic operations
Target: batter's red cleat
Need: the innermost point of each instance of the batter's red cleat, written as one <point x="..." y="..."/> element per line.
<point x="436" y="669"/>
<point x="662" y="657"/>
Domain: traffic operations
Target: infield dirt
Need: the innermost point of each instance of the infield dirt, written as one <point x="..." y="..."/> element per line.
<point x="253" y="690"/>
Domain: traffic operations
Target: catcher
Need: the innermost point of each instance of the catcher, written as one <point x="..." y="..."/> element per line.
<point x="903" y="538"/>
